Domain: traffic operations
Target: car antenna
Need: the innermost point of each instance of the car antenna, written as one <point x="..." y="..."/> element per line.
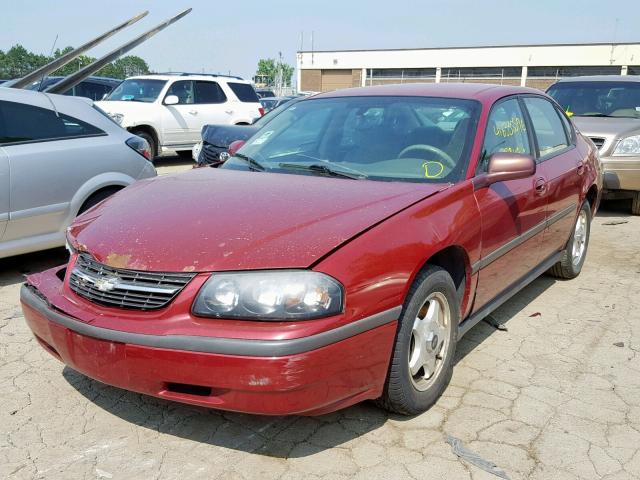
<point x="44" y="74"/>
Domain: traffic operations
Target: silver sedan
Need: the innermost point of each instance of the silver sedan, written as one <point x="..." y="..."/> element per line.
<point x="58" y="157"/>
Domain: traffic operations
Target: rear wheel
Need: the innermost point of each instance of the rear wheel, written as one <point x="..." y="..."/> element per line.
<point x="575" y="252"/>
<point x="635" y="203"/>
<point x="422" y="359"/>
<point x="150" y="140"/>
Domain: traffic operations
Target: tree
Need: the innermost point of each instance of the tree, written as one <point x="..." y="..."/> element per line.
<point x="268" y="68"/>
<point x="18" y="61"/>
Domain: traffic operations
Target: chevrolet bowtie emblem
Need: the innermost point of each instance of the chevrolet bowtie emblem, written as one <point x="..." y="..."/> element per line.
<point x="106" y="284"/>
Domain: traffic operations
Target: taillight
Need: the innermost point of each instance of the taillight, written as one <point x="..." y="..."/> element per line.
<point x="261" y="110"/>
<point x="140" y="145"/>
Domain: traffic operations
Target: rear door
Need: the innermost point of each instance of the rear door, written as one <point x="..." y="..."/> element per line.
<point x="560" y="164"/>
<point x="50" y="156"/>
<point x="512" y="214"/>
<point x="212" y="106"/>
<point x="4" y="187"/>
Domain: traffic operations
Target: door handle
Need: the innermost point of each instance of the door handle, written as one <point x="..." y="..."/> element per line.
<point x="228" y="111"/>
<point x="193" y="112"/>
<point x="580" y="167"/>
<point x="540" y="186"/>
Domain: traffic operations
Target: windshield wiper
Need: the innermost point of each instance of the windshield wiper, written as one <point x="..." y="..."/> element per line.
<point x="253" y="164"/>
<point x="592" y="115"/>
<point x="323" y="170"/>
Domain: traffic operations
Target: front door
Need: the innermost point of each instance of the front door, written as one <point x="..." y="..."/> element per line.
<point x="180" y="121"/>
<point x="561" y="165"/>
<point x="512" y="213"/>
<point x="4" y="189"/>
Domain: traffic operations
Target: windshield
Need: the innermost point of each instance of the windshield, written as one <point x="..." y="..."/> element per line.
<point x="138" y="90"/>
<point x="419" y="139"/>
<point x="598" y="99"/>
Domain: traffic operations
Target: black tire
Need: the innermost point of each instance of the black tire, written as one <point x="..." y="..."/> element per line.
<point x="635" y="204"/>
<point x="96" y="198"/>
<point x="400" y="394"/>
<point x="567" y="268"/>
<point x="150" y="140"/>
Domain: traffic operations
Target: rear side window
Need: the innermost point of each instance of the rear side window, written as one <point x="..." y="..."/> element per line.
<point x="506" y="132"/>
<point x="244" y="92"/>
<point x="209" y="92"/>
<point x="547" y="126"/>
<point x="94" y="91"/>
<point x="20" y="123"/>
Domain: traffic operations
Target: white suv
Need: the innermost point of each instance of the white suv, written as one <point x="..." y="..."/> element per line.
<point x="169" y="110"/>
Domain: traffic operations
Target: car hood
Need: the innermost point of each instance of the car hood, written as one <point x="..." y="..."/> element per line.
<point x="215" y="220"/>
<point x="222" y="135"/>
<point x="607" y="126"/>
<point x="119" y="106"/>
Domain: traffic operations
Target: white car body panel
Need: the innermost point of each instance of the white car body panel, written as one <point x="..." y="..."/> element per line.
<point x="178" y="127"/>
<point x="49" y="180"/>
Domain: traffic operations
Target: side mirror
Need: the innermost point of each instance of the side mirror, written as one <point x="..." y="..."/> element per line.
<point x="235" y="146"/>
<point x="505" y="166"/>
<point x="171" y="100"/>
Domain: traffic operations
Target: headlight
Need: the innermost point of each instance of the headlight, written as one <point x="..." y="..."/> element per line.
<point x="117" y="117"/>
<point x="195" y="153"/>
<point x="270" y="295"/>
<point x="628" y="146"/>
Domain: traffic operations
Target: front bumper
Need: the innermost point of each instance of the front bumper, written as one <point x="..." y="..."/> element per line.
<point x="621" y="173"/>
<point x="206" y="371"/>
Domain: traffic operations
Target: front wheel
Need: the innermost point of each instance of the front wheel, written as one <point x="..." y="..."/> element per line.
<point x="422" y="358"/>
<point x="150" y="140"/>
<point x="575" y="252"/>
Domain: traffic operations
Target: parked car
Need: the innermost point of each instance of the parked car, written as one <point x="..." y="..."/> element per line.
<point x="169" y="110"/>
<point x="94" y="88"/>
<point x="59" y="156"/>
<point x="606" y="108"/>
<point x="337" y="257"/>
<point x="269" y="103"/>
<point x="216" y="139"/>
<point x="265" y="92"/>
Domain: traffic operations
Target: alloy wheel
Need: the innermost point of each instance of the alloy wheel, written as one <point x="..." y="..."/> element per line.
<point x="579" y="238"/>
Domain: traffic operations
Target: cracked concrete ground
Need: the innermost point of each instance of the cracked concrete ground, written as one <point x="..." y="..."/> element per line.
<point x="557" y="396"/>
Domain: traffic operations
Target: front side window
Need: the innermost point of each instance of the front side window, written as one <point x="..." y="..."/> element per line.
<point x="20" y="123"/>
<point x="137" y="90"/>
<point x="506" y="132"/>
<point x="208" y="92"/>
<point x="547" y="126"/>
<point x="417" y="139"/>
<point x="598" y="99"/>
<point x="182" y="89"/>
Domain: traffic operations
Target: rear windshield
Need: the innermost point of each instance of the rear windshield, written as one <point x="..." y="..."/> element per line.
<point x="598" y="99"/>
<point x="244" y="92"/>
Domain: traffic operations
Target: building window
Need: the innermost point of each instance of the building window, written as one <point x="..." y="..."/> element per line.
<point x="400" y="73"/>
<point x="481" y="72"/>
<point x="559" y="72"/>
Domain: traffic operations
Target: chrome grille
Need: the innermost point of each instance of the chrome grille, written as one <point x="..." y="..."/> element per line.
<point x="598" y="142"/>
<point x="122" y="288"/>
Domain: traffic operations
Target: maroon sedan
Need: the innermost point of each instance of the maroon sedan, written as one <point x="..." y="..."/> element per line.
<point x="337" y="257"/>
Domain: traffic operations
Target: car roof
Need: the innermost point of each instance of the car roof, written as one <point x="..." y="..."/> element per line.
<point x="472" y="91"/>
<point x="187" y="76"/>
<point x="602" y="78"/>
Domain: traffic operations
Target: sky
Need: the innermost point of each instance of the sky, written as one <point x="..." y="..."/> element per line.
<point x="231" y="36"/>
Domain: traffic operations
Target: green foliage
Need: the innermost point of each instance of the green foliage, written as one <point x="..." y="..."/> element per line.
<point x="18" y="61"/>
<point x="268" y="68"/>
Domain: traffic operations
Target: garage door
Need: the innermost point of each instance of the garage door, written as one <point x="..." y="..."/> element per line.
<point x="335" y="79"/>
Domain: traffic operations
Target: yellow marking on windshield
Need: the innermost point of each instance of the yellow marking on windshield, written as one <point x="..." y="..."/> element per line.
<point x="429" y="167"/>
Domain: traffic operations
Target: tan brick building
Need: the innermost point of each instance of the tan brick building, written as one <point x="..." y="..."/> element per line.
<point x="536" y="66"/>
